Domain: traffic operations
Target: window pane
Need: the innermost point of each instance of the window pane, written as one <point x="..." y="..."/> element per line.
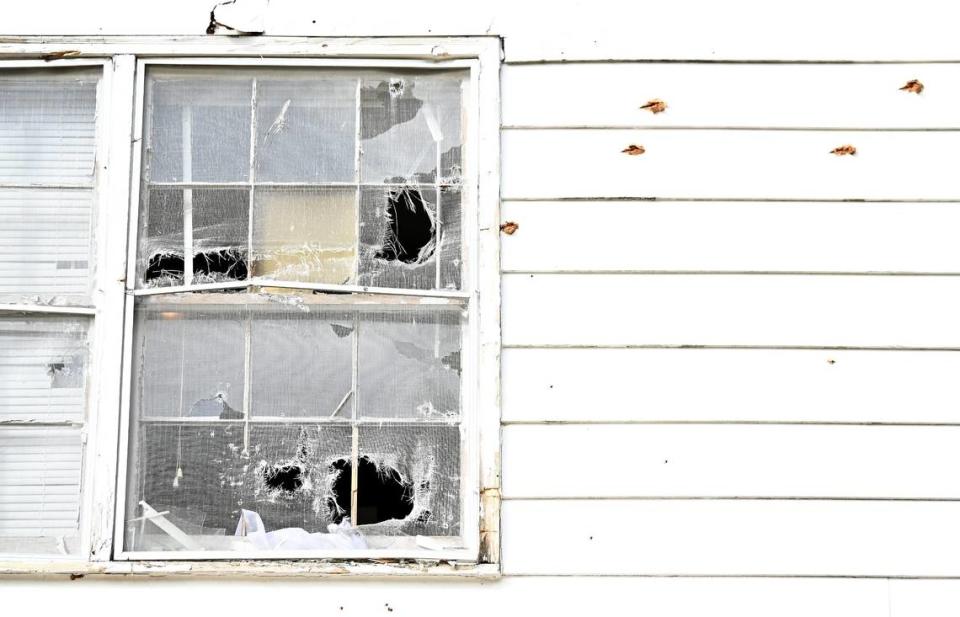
<point x="424" y="461"/>
<point x="46" y="248"/>
<point x="398" y="237"/>
<point x="405" y="121"/>
<point x="42" y="368"/>
<point x="409" y="364"/>
<point x="302" y="364"/>
<point x="47" y="126"/>
<point x="306" y="128"/>
<point x="307" y="235"/>
<point x="451" y="234"/>
<point x="188" y="362"/>
<point x="198" y="126"/>
<point x="40" y="490"/>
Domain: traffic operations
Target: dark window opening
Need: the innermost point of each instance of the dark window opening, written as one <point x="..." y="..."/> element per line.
<point x="412" y="232"/>
<point x="382" y="494"/>
<point x="164" y="265"/>
<point x="222" y="264"/>
<point x="286" y="478"/>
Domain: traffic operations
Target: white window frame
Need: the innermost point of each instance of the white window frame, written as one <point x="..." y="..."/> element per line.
<point x="117" y="185"/>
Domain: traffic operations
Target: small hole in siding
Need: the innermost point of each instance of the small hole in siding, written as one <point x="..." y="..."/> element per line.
<point x="382" y="494"/>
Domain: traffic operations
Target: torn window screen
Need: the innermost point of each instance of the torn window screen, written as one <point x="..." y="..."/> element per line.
<point x="206" y="443"/>
<point x="333" y="202"/>
<point x="273" y="418"/>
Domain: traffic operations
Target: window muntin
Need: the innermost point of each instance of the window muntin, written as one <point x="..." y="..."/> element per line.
<point x="246" y="386"/>
<point x="48" y="145"/>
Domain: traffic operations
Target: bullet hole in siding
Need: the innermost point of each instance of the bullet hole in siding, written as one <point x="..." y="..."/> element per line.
<point x="846" y="150"/>
<point x="509" y="228"/>
<point x="914" y="85"/>
<point x="634" y="150"/>
<point x="287" y="477"/>
<point x="382" y="494"/>
<point x="411" y="236"/>
<point x="655" y="106"/>
<point x="220" y="264"/>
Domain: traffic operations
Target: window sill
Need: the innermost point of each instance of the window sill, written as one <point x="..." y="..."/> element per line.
<point x="243" y="569"/>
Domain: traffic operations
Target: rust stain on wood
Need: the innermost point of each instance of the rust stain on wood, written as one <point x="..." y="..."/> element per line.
<point x="914" y="85"/>
<point x="509" y="228"/>
<point x="655" y="106"/>
<point x="634" y="150"/>
<point x="846" y="150"/>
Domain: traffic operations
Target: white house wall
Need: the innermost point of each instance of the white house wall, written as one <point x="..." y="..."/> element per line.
<point x="730" y="362"/>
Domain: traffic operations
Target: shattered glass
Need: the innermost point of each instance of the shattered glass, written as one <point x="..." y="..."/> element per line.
<point x="270" y="418"/>
<point x="303" y="169"/>
<point x="206" y="445"/>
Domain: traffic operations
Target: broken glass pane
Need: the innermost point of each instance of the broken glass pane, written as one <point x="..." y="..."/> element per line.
<point x="47" y="125"/>
<point x="220" y="222"/>
<point x="415" y="489"/>
<point x="206" y="475"/>
<point x="40" y="489"/>
<point x="43" y="368"/>
<point x="302" y="363"/>
<point x="189" y="361"/>
<point x="406" y="120"/>
<point x="45" y="245"/>
<point x="305" y="235"/>
<point x="409" y="364"/>
<point x="198" y="126"/>
<point x="398" y="237"/>
<point x="160" y="247"/>
<point x="306" y="128"/>
<point x="451" y="235"/>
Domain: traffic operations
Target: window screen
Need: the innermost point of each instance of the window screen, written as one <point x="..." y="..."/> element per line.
<point x="47" y="145"/>
<point x="300" y="309"/>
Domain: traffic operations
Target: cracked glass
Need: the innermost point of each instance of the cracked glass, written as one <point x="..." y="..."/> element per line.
<point x="296" y="376"/>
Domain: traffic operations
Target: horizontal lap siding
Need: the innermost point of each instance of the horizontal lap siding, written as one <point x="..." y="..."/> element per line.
<point x="719" y="355"/>
<point x="730" y="385"/>
<point x="731" y="461"/>
<point x="728" y="164"/>
<point x="731" y="537"/>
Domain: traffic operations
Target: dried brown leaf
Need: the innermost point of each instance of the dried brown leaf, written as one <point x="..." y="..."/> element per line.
<point x="655" y="106"/>
<point x="509" y="228"/>
<point x="914" y="85"/>
<point x="634" y="150"/>
<point x="844" y="150"/>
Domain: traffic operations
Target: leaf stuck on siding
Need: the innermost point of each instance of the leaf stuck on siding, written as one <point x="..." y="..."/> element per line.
<point x="655" y="106"/>
<point x="634" y="150"/>
<point x="844" y="150"/>
<point x="509" y="228"/>
<point x="914" y="85"/>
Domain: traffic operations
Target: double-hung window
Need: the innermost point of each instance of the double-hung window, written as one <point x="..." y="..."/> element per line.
<point x="275" y="337"/>
<point x="48" y="148"/>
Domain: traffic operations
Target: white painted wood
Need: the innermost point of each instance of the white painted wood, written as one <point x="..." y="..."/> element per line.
<point x="733" y="537"/>
<point x="724" y="164"/>
<point x="914" y="598"/>
<point x="690" y="460"/>
<point x="740" y="29"/>
<point x="732" y="236"/>
<point x="730" y="385"/>
<point x="549" y="595"/>
<point x="731" y="310"/>
<point x="732" y="95"/>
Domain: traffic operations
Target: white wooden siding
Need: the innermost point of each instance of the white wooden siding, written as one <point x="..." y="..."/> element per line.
<point x="730" y="461"/>
<point x="728" y="164"/>
<point x="843" y="96"/>
<point x="730" y="385"/>
<point x="722" y="236"/>
<point x="731" y="537"/>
